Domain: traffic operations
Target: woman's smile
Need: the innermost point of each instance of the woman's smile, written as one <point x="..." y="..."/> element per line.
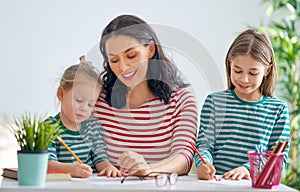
<point x="129" y="75"/>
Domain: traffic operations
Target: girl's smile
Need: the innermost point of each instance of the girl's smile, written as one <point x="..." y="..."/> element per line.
<point x="247" y="75"/>
<point x="243" y="86"/>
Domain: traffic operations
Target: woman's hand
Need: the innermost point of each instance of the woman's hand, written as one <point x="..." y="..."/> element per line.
<point x="237" y="174"/>
<point x="206" y="171"/>
<point x="81" y="170"/>
<point x="110" y="171"/>
<point x="133" y="163"/>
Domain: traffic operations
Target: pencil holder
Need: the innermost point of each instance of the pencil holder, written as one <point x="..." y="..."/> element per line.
<point x="265" y="169"/>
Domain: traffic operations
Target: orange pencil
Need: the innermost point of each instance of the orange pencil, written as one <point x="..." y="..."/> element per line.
<point x="200" y="156"/>
<point x="68" y="148"/>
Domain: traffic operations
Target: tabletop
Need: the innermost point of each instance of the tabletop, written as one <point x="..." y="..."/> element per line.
<point x="95" y="183"/>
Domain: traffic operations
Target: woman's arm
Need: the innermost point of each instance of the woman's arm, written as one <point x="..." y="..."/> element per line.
<point x="185" y="116"/>
<point x="177" y="163"/>
<point x="185" y="129"/>
<point x="134" y="163"/>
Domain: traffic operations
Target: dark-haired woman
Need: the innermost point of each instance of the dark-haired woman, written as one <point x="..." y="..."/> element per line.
<point x="147" y="113"/>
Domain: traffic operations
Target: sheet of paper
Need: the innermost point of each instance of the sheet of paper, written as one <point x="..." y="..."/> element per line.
<point x="103" y="180"/>
<point x="222" y="181"/>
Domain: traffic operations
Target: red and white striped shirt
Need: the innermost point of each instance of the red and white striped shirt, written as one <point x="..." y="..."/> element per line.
<point x="154" y="129"/>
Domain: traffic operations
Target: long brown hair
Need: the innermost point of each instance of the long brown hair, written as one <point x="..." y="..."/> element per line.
<point x="258" y="46"/>
<point x="162" y="75"/>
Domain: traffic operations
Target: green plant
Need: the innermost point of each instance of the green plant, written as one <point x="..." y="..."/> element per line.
<point x="33" y="133"/>
<point x="284" y="34"/>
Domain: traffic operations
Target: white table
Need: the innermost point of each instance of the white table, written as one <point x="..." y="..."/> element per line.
<point x="94" y="183"/>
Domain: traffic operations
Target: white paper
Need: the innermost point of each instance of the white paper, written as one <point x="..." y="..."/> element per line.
<point x="103" y="180"/>
<point x="220" y="182"/>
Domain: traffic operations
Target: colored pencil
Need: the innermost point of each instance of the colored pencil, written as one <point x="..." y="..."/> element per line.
<point x="268" y="176"/>
<point x="200" y="156"/>
<point x="259" y="155"/>
<point x="68" y="148"/>
<point x="264" y="173"/>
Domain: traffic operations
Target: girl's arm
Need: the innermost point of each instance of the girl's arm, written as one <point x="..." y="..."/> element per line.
<point x="206" y="140"/>
<point x="99" y="156"/>
<point x="76" y="170"/>
<point x="281" y="129"/>
<point x="98" y="148"/>
<point x="105" y="168"/>
<point x="206" y="135"/>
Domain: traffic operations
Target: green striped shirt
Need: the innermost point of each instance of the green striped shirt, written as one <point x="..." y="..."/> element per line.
<point x="230" y="127"/>
<point x="87" y="144"/>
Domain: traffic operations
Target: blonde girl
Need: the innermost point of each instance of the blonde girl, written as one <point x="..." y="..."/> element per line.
<point x="78" y="91"/>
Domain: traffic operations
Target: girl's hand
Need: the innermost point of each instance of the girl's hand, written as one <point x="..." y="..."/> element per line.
<point x="237" y="174"/>
<point x="133" y="163"/>
<point x="110" y="171"/>
<point x="81" y="170"/>
<point x="206" y="171"/>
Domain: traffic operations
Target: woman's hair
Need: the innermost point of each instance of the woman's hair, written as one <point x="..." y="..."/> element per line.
<point x="258" y="46"/>
<point x="162" y="75"/>
<point x="76" y="72"/>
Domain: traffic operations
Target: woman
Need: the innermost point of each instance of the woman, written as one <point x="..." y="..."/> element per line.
<point x="146" y="112"/>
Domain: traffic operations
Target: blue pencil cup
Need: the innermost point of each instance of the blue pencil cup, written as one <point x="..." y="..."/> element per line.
<point x="32" y="167"/>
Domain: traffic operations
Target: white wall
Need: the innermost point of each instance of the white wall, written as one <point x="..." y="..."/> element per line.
<point x="39" y="38"/>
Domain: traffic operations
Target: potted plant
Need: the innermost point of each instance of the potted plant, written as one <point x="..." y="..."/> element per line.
<point x="33" y="135"/>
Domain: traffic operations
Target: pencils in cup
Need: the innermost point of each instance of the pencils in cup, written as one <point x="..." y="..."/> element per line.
<point x="68" y="148"/>
<point x="261" y="161"/>
<point x="200" y="156"/>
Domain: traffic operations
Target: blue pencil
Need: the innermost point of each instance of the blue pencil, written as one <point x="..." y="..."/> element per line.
<point x="259" y="155"/>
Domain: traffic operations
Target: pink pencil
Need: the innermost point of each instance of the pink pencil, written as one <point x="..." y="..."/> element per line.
<point x="200" y="156"/>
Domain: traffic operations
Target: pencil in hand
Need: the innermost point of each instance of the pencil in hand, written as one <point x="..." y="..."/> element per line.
<point x="200" y="156"/>
<point x="68" y="148"/>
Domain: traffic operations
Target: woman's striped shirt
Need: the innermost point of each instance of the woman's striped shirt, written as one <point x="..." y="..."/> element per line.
<point x="230" y="127"/>
<point x="154" y="129"/>
<point x="87" y="144"/>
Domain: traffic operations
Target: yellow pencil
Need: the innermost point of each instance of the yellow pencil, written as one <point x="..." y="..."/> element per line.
<point x="68" y="148"/>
